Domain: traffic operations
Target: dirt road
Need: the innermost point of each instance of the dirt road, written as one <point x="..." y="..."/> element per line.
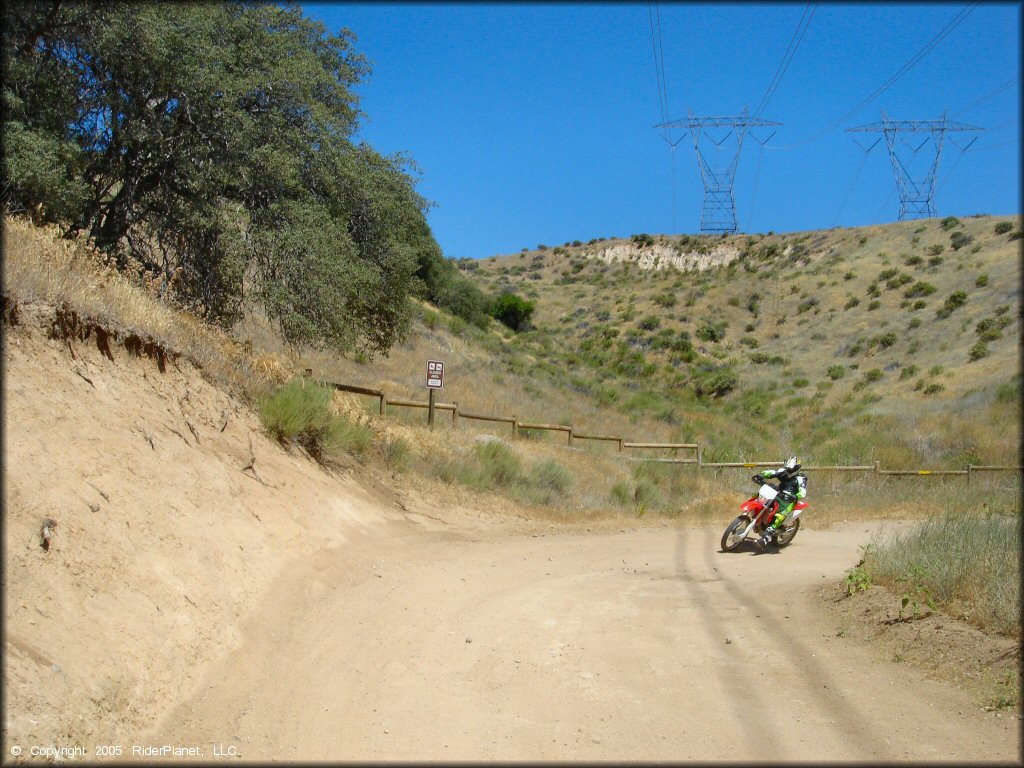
<point x="624" y="645"/>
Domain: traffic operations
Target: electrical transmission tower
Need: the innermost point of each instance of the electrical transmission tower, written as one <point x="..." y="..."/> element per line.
<point x="719" y="211"/>
<point x="917" y="197"/>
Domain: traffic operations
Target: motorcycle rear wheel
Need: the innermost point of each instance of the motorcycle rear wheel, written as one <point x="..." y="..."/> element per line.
<point x="733" y="535"/>
<point x="787" y="534"/>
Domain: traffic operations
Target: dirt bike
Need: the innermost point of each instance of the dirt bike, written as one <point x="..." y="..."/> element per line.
<point x="757" y="513"/>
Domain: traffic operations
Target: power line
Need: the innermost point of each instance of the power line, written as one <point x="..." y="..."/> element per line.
<point x="787" y="57"/>
<point x="910" y="63"/>
<point x="659" y="66"/>
<point x="988" y="96"/>
<point x="753" y="197"/>
<point x="853" y="182"/>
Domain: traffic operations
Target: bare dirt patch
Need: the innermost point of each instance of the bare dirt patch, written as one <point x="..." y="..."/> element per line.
<point x="943" y="646"/>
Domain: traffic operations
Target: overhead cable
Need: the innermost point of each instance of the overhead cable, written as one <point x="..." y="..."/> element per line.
<point x="659" y="66"/>
<point x="988" y="96"/>
<point x="911" y="62"/>
<point x="787" y="57"/>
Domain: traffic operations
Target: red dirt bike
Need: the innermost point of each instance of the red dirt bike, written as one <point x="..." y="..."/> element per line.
<point x="757" y="514"/>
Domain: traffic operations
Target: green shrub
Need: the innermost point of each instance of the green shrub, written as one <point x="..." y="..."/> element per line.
<point x="978" y="351"/>
<point x="918" y="289"/>
<point x="914" y="322"/>
<point x="750" y="341"/>
<point x="885" y="340"/>
<point x="495" y="466"/>
<point x="908" y="372"/>
<point x="936" y="249"/>
<point x="933" y="389"/>
<point x="836" y="372"/>
<point x="714" y="381"/>
<point x="548" y="474"/>
<point x="646" y="495"/>
<point x="849" y="276"/>
<point x="913" y="261"/>
<point x="396" y="453"/>
<point x="988" y="329"/>
<point x="757" y="402"/>
<point x="711" y="331"/>
<point x="1003" y="227"/>
<point x="982" y="280"/>
<point x="301" y="412"/>
<point x="872" y="375"/>
<point x="620" y="494"/>
<point x="949" y="222"/>
<point x="512" y="311"/>
<point x="806" y="304"/>
<point x="666" y="300"/>
<point x="953" y="302"/>
<point x="650" y="323"/>
<point x="852" y="302"/>
<point x="874" y="304"/>
<point x="898" y="281"/>
<point x="959" y="239"/>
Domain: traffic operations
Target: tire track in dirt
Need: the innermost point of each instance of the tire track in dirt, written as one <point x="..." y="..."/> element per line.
<point x="740" y="692"/>
<point x="815" y="676"/>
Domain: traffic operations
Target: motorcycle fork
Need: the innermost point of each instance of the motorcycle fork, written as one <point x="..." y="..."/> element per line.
<point x="759" y="518"/>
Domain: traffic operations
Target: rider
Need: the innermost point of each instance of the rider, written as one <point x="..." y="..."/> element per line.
<point x="792" y="486"/>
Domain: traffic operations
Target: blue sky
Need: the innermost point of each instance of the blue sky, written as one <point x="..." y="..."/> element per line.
<point x="533" y="123"/>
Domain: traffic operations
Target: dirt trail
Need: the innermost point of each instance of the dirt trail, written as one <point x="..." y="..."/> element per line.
<point x="288" y="613"/>
<point x="644" y="644"/>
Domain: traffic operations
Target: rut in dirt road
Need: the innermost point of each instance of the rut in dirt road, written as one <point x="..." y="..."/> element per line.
<point x="762" y="598"/>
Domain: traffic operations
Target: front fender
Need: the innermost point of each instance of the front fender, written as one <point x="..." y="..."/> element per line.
<point x="752" y="507"/>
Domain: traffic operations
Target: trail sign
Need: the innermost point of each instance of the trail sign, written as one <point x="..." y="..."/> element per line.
<point x="435" y="374"/>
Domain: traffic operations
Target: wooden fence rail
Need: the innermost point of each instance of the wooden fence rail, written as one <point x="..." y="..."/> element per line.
<point x="697" y="459"/>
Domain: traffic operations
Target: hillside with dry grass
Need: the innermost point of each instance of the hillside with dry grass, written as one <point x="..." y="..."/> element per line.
<point x="817" y="343"/>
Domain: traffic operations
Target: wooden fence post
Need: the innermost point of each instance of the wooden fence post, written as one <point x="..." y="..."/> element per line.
<point x="700" y="457"/>
<point x="383" y="405"/>
<point x="570" y="437"/>
<point x="455" y="413"/>
<point x="970" y="467"/>
<point x="515" y="426"/>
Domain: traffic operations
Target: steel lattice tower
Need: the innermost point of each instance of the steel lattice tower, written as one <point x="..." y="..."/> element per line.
<point x="917" y="198"/>
<point x="719" y="211"/>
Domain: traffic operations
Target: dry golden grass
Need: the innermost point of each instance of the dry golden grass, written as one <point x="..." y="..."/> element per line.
<point x="40" y="266"/>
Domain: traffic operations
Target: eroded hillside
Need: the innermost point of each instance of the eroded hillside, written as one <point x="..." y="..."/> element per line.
<point x="168" y="513"/>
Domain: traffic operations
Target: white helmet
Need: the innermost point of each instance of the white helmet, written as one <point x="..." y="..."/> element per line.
<point x="793" y="464"/>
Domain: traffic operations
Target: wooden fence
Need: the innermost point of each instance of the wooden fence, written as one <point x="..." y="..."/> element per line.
<point x="697" y="452"/>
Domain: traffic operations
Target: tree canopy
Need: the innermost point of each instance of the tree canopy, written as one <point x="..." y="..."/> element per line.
<point x="214" y="143"/>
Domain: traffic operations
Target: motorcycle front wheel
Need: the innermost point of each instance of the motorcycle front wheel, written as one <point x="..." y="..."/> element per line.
<point x="733" y="535"/>
<point x="787" y="534"/>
